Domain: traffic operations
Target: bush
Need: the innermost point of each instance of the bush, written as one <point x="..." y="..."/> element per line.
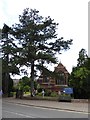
<point x="47" y="92"/>
<point x="39" y="90"/>
<point x="53" y="94"/>
<point x="40" y="94"/>
<point x="26" y="88"/>
<point x="11" y="94"/>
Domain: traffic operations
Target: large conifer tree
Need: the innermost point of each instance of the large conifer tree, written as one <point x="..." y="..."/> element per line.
<point x="8" y="52"/>
<point x="38" y="41"/>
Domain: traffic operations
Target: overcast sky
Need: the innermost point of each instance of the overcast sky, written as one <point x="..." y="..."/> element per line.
<point x="72" y="16"/>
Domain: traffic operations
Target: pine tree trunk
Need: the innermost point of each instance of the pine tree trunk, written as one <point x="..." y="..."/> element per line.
<point x="6" y="79"/>
<point x="7" y="72"/>
<point x="32" y="77"/>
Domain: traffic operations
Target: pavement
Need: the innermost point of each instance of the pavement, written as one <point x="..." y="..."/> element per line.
<point x="79" y="107"/>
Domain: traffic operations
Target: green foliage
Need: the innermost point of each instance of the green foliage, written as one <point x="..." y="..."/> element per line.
<point x="81" y="73"/>
<point x="26" y="88"/>
<point x="38" y="86"/>
<point x="39" y="90"/>
<point x="37" y="42"/>
<point x="40" y="94"/>
<point x="24" y="84"/>
<point x="34" y="33"/>
<point x="25" y="81"/>
<point x="79" y="78"/>
<point x="47" y="92"/>
<point x="82" y="58"/>
<point x="65" y="94"/>
<point x="9" y="66"/>
<point x="53" y="94"/>
<point x="9" y="51"/>
<point x="20" y="86"/>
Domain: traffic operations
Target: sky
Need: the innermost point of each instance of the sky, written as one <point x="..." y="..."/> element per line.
<point x="72" y="16"/>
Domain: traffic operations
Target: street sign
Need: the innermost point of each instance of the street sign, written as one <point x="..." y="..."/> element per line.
<point x="68" y="90"/>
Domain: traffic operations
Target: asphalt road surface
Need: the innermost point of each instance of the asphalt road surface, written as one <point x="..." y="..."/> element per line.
<point x="11" y="110"/>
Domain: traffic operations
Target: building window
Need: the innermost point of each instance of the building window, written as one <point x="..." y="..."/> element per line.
<point x="45" y="79"/>
<point x="61" y="79"/>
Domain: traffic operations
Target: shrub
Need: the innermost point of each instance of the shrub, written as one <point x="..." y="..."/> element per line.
<point x="53" y="94"/>
<point x="11" y="94"/>
<point x="26" y="88"/>
<point x="47" y="92"/>
<point x="39" y="90"/>
<point x="65" y="94"/>
<point x="40" y="94"/>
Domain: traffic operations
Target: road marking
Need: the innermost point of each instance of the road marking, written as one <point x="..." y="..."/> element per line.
<point x="42" y="107"/>
<point x="20" y="114"/>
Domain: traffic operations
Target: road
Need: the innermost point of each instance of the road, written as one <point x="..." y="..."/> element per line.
<point x="11" y="110"/>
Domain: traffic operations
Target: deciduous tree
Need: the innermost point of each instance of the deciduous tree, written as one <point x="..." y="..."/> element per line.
<point x="79" y="79"/>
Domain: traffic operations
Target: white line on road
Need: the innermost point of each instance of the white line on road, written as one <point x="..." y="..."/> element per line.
<point x="42" y="107"/>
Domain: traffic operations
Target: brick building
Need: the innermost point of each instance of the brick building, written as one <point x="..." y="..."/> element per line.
<point x="55" y="84"/>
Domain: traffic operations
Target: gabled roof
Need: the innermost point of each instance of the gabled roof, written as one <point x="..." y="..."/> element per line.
<point x="61" y="67"/>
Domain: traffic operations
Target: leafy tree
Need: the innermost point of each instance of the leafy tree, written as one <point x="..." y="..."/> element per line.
<point x="82" y="57"/>
<point x="87" y="65"/>
<point x="26" y="88"/>
<point x="24" y="84"/>
<point x="79" y="78"/>
<point x="38" y="41"/>
<point x="25" y="80"/>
